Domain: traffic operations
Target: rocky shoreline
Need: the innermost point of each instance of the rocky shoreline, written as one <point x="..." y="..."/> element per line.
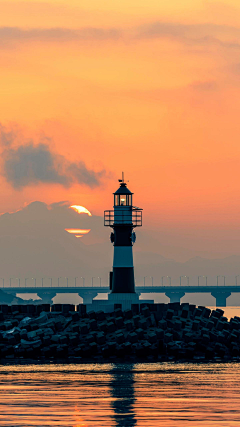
<point x="146" y="333"/>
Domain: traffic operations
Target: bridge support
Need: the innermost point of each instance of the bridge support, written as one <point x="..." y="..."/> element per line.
<point x="46" y="297"/>
<point x="221" y="298"/>
<point x="87" y="296"/>
<point x="175" y="296"/>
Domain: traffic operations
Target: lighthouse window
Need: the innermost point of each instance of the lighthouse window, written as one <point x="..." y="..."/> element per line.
<point x="129" y="199"/>
<point x="123" y="200"/>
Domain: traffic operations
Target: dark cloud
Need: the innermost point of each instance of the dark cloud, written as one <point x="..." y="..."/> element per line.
<point x="10" y="35"/>
<point x="6" y="136"/>
<point x="85" y="176"/>
<point x="32" y="164"/>
<point x="201" y="34"/>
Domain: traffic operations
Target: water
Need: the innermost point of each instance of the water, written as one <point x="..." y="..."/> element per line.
<point x="123" y="395"/>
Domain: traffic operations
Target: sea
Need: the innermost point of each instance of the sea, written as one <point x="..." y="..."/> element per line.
<point x="121" y="394"/>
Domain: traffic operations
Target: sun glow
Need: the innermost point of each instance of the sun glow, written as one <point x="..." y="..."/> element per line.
<point x="80" y="209"/>
<point x="78" y="232"/>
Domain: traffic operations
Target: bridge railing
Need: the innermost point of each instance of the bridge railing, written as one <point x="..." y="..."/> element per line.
<point x="185" y="280"/>
<point x="97" y="281"/>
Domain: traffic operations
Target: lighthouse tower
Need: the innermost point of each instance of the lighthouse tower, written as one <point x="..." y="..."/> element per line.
<point x="123" y="219"/>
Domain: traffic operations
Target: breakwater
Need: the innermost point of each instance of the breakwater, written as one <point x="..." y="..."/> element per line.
<point x="145" y="332"/>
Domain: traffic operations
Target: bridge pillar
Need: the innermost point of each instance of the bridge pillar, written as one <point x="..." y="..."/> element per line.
<point x="87" y="296"/>
<point x="175" y="296"/>
<point x="221" y="298"/>
<point x="46" y="296"/>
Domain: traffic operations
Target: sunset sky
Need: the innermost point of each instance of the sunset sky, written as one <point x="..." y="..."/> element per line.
<point x="91" y="88"/>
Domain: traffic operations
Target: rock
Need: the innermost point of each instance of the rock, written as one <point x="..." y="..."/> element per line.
<point x="63" y="339"/>
<point x="160" y="333"/>
<point x="101" y="339"/>
<point x="135" y="309"/>
<point x="55" y="339"/>
<point x="168" y="337"/>
<point x="140" y="333"/>
<point x="118" y="312"/>
<point x="162" y="324"/>
<point x="128" y="314"/>
<point x="46" y="340"/>
<point x="31" y="335"/>
<point x="136" y="319"/>
<point x="110" y="327"/>
<point x="132" y="337"/>
<point x="84" y="329"/>
<point x="169" y="314"/>
<point x="93" y="348"/>
<point x="75" y="316"/>
<point x="185" y="312"/>
<point x="102" y="326"/>
<point x="120" y="339"/>
<point x="119" y="322"/>
<point x="196" y="325"/>
<point x="73" y="339"/>
<point x="62" y="351"/>
<point x="128" y="324"/>
<point x="100" y="315"/>
<point x="145" y="311"/>
<point x="152" y="337"/>
<point x="161" y="330"/>
<point x="91" y="314"/>
<point x="142" y="324"/>
<point x="177" y="325"/>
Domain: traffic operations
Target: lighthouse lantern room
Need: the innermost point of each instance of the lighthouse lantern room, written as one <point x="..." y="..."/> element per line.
<point x="123" y="219"/>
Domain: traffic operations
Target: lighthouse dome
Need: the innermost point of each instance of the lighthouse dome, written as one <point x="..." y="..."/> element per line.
<point x="123" y="189"/>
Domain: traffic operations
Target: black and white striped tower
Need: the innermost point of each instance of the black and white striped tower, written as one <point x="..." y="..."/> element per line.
<point x="123" y="219"/>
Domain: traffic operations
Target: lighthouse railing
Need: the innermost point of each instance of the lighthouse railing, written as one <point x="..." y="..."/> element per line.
<point x="133" y="218"/>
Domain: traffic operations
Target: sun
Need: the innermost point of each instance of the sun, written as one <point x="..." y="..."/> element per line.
<point x="80" y="209"/>
<point x="79" y="232"/>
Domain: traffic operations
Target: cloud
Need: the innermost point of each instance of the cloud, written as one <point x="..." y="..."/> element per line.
<point x="85" y="176"/>
<point x="188" y="34"/>
<point x="6" y="136"/>
<point x="33" y="164"/>
<point x="200" y="34"/>
<point x="13" y="35"/>
<point x="205" y="86"/>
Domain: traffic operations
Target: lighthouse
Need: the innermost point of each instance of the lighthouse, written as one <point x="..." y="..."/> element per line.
<point x="123" y="219"/>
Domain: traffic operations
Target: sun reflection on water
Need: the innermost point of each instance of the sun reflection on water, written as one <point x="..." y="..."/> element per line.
<point x="79" y="421"/>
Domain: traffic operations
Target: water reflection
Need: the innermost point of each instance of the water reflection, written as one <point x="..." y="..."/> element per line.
<point x="107" y="395"/>
<point x="121" y="389"/>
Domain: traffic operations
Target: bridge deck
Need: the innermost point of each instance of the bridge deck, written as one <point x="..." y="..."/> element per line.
<point x="105" y="289"/>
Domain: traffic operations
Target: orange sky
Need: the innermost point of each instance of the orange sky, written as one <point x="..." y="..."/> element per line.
<point x="151" y="88"/>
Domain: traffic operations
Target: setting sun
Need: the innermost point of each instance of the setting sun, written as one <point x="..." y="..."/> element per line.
<point x="80" y="209"/>
<point x="78" y="232"/>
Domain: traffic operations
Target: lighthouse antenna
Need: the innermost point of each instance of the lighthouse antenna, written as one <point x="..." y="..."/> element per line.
<point x="122" y="180"/>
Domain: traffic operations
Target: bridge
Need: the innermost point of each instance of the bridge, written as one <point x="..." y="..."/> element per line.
<point x="88" y="293"/>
